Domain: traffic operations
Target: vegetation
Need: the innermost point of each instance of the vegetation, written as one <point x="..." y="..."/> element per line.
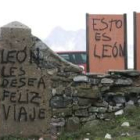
<point x="113" y="127"/>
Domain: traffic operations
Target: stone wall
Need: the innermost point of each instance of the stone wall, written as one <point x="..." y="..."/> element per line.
<point x="42" y="94"/>
<point x="93" y="96"/>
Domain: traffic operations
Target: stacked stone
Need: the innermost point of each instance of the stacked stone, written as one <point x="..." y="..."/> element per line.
<point x="84" y="98"/>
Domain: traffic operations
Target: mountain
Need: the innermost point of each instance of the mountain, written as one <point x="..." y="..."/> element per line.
<point x="63" y="40"/>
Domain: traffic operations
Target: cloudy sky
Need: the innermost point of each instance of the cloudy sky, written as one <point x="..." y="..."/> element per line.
<point x="43" y="15"/>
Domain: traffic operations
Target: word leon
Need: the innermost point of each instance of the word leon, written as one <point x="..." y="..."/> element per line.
<point x="20" y="56"/>
<point x="109" y="51"/>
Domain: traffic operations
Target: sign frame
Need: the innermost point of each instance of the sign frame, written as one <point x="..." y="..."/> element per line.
<point x="125" y="41"/>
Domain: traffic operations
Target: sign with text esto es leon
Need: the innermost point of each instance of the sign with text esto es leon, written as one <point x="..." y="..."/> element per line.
<point x="106" y="42"/>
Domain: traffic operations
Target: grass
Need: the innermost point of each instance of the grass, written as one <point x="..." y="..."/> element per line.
<point x="113" y="127"/>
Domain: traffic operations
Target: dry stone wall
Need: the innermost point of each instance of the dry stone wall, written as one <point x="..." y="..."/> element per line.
<point x="93" y="96"/>
<point x="42" y="94"/>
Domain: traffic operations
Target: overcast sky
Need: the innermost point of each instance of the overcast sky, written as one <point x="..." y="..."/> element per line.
<point x="43" y="15"/>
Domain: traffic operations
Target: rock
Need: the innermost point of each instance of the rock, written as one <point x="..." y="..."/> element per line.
<point x="138" y="101"/>
<point x="53" y="137"/>
<point x="108" y="136"/>
<point x="52" y="71"/>
<point x="62" y="112"/>
<point x="110" y="94"/>
<point x="100" y="104"/>
<point x="123" y="82"/>
<point x="81" y="78"/>
<point x="53" y="91"/>
<point x="84" y="102"/>
<point x="86" y="139"/>
<point x="93" y="92"/>
<point x="60" y="102"/>
<point x="97" y="109"/>
<point x="125" y="124"/>
<point x="93" y="109"/>
<point x="129" y="109"/>
<point x="73" y="124"/>
<point x="57" y="122"/>
<point x="131" y="73"/>
<point x="90" y="118"/>
<point x="94" y="81"/>
<point x="87" y="134"/>
<point x="41" y="138"/>
<point x="81" y="113"/>
<point x="107" y="81"/>
<point x="120" y="112"/>
<point x="125" y="134"/>
<point x="130" y="102"/>
<point x="101" y="116"/>
<point x="119" y="99"/>
<point x="105" y="88"/>
<point x="111" y="108"/>
<point x="68" y="91"/>
<point x="72" y="68"/>
<point x="90" y="125"/>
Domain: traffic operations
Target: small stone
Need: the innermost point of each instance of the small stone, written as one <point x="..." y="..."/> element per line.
<point x="125" y="124"/>
<point x="120" y="112"/>
<point x="105" y="88"/>
<point x="98" y="109"/>
<point x="52" y="71"/>
<point x="81" y="78"/>
<point x="119" y="99"/>
<point x="125" y="134"/>
<point x="101" y="116"/>
<point x="115" y="108"/>
<point x="93" y="109"/>
<point x="62" y="112"/>
<point x="101" y="104"/>
<point x="107" y="81"/>
<point x="87" y="134"/>
<point x="86" y="139"/>
<point x="81" y="113"/>
<point x="93" y="92"/>
<point x="139" y="101"/>
<point x="57" y="122"/>
<point x="53" y="91"/>
<point x="90" y="124"/>
<point x="123" y="82"/>
<point x="60" y="102"/>
<point x="90" y="118"/>
<point x="41" y="138"/>
<point x="94" y="81"/>
<point x="84" y="102"/>
<point x="73" y="124"/>
<point x="108" y="136"/>
<point x="132" y="73"/>
<point x="130" y="102"/>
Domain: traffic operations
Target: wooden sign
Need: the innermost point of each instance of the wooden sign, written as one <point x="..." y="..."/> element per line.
<point x="106" y="42"/>
<point x="136" y="41"/>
